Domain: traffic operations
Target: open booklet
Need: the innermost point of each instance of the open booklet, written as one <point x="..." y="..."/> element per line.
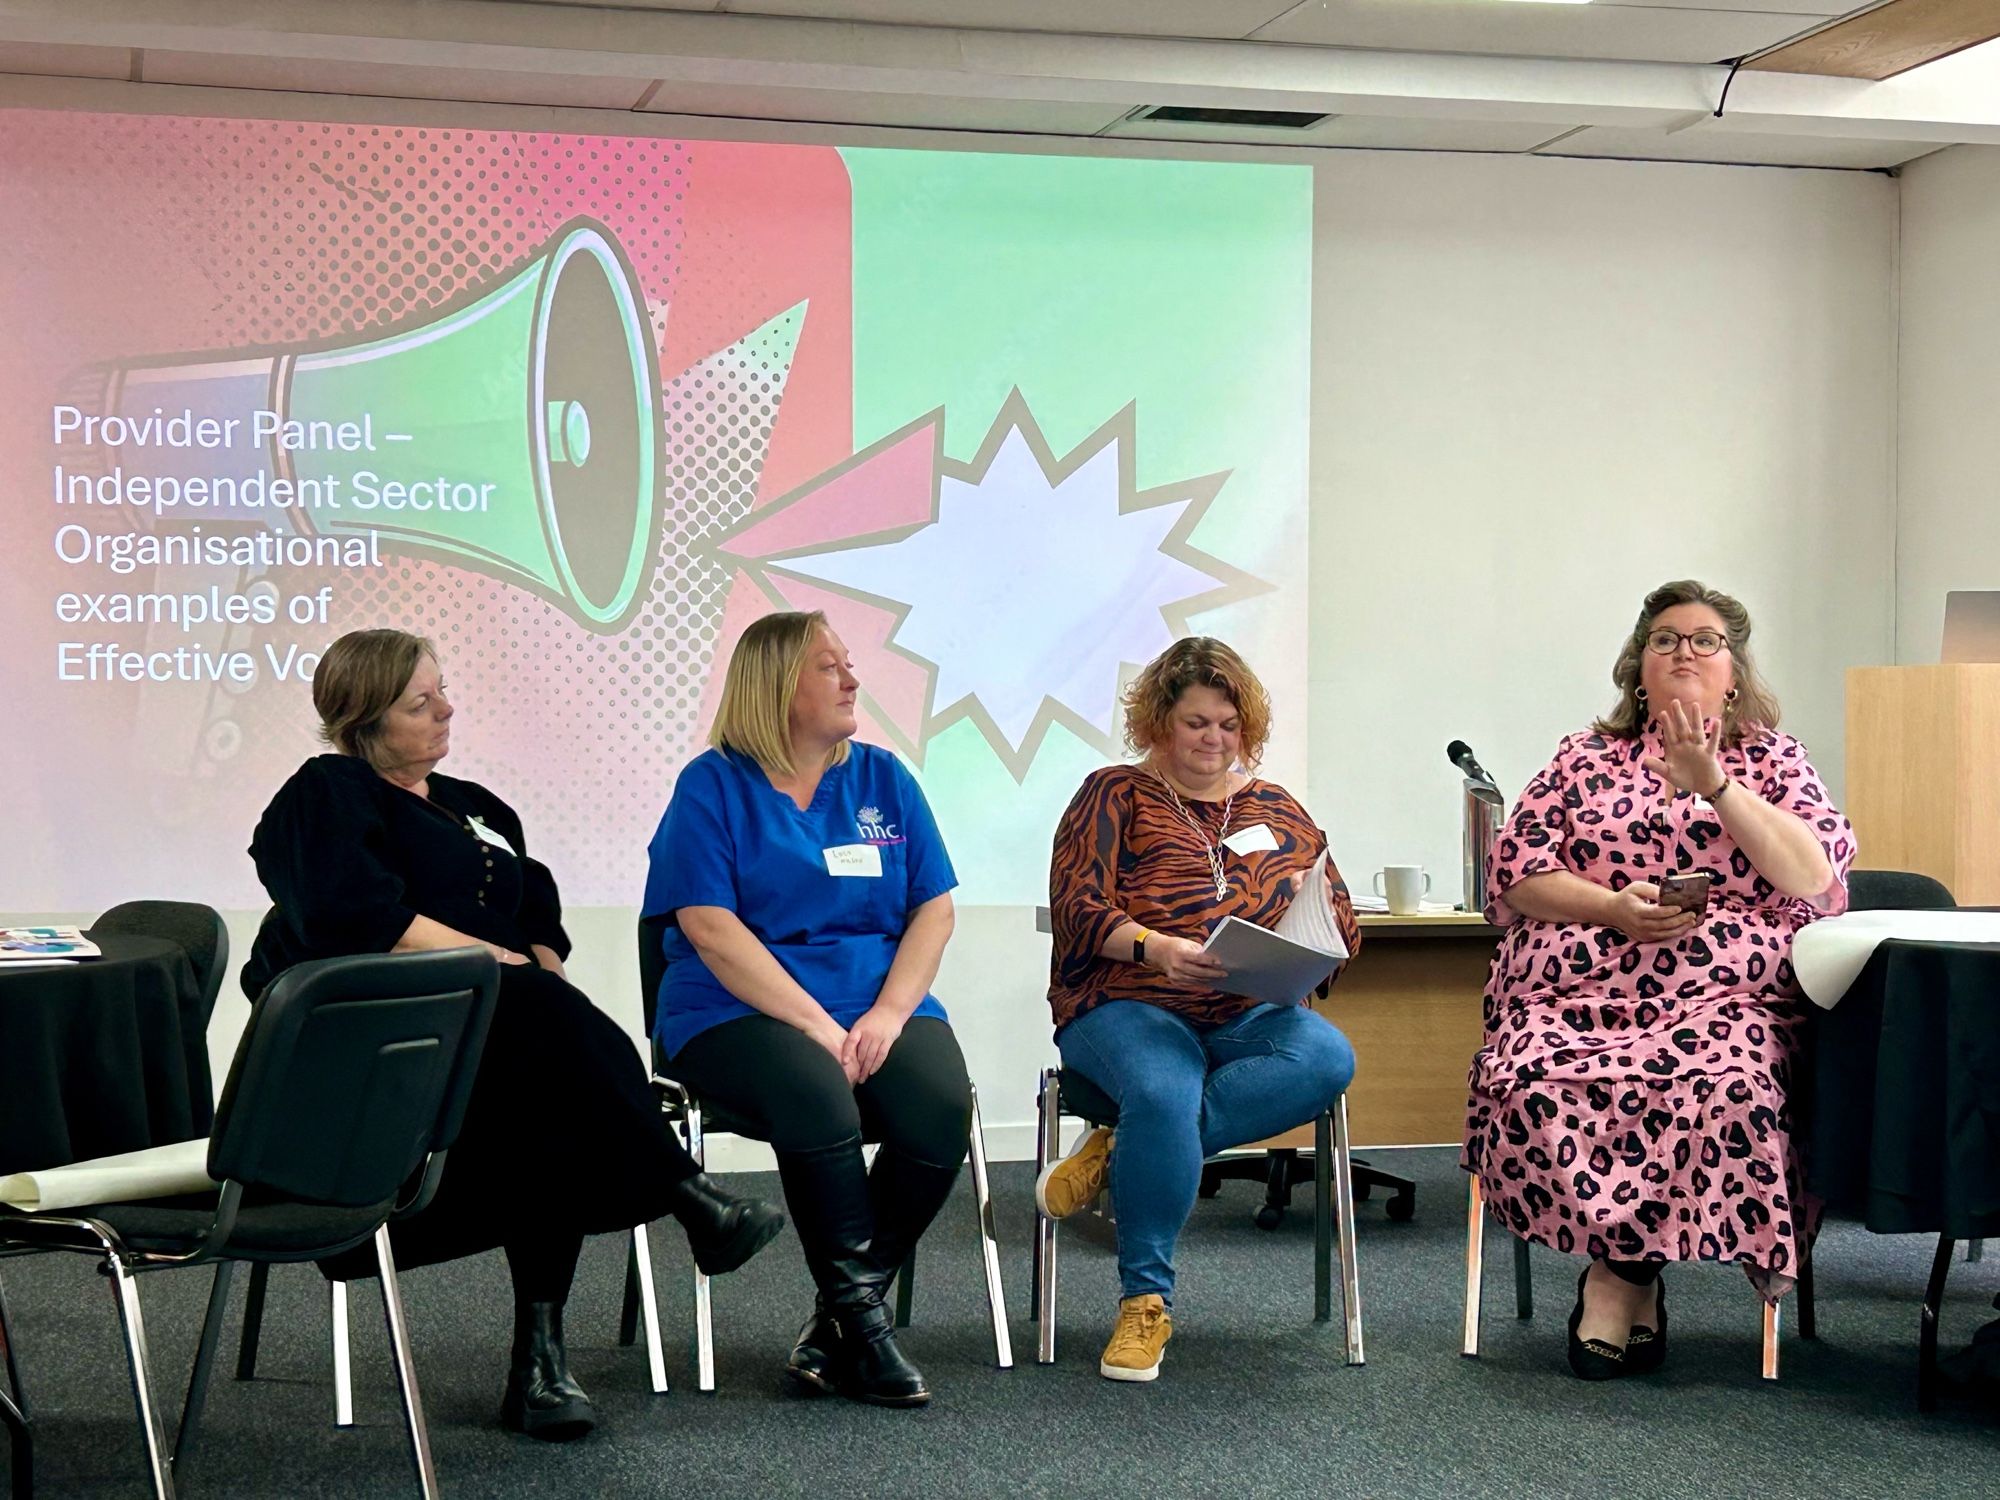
<point x="1285" y="964"/>
<point x="156" y="1172"/>
<point x="41" y="945"/>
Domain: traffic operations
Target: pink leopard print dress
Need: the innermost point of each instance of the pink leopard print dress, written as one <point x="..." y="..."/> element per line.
<point x="1630" y="1101"/>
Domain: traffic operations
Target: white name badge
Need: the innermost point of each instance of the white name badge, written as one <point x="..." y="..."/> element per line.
<point x="854" y="859"/>
<point x="488" y="836"/>
<point x="1252" y="840"/>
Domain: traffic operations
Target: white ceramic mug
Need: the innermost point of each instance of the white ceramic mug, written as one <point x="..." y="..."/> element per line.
<point x="1403" y="886"/>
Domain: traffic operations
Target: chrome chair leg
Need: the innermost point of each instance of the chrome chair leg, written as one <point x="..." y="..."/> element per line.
<point x="14" y="1416"/>
<point x="1975" y="1250"/>
<point x="1773" y="1322"/>
<point x="406" y="1369"/>
<point x="253" y="1322"/>
<point x="649" y="1308"/>
<point x="989" y="1245"/>
<point x="343" y="1355"/>
<point x="1045" y="1228"/>
<point x="126" y="1288"/>
<point x="1475" y="1264"/>
<point x="1322" y="1217"/>
<point x="204" y="1362"/>
<point x="704" y="1309"/>
<point x="1350" y="1271"/>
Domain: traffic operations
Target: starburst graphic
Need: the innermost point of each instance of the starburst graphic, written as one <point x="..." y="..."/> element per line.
<point x="1029" y="592"/>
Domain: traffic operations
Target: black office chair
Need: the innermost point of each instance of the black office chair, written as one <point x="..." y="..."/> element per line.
<point x="1067" y="1092"/>
<point x="695" y="1117"/>
<point x="196" y="929"/>
<point x="349" y="1087"/>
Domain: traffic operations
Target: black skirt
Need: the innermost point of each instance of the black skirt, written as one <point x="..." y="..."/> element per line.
<point x="562" y="1134"/>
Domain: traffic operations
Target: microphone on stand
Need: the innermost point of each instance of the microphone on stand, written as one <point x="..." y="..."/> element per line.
<point x="1460" y="755"/>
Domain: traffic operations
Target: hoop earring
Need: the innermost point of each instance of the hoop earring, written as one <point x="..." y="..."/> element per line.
<point x="1730" y="696"/>
<point x="1639" y="695"/>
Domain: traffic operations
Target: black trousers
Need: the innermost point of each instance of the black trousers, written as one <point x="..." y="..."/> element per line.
<point x="791" y="1089"/>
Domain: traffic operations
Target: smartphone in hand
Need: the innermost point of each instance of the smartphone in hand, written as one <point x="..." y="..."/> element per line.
<point x="1685" y="892"/>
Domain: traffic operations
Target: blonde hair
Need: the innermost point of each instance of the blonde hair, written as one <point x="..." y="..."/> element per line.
<point x="755" y="715"/>
<point x="1196" y="661"/>
<point x="1753" y="708"/>
<point x="358" y="681"/>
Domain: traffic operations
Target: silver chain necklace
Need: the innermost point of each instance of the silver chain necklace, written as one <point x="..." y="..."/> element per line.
<point x="1207" y="844"/>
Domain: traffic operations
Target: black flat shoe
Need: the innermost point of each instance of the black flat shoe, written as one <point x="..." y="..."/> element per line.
<point x="814" y="1362"/>
<point x="1591" y="1359"/>
<point x="542" y="1400"/>
<point x="1646" y="1350"/>
<point x="723" y="1231"/>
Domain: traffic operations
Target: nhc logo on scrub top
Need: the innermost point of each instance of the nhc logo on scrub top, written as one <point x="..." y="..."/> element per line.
<point x="868" y="822"/>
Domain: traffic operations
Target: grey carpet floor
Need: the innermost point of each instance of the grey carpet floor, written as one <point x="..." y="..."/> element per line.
<point x="1254" y="1397"/>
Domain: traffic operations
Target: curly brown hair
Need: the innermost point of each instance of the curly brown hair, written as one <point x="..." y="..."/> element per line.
<point x="1196" y="661"/>
<point x="1753" y="708"/>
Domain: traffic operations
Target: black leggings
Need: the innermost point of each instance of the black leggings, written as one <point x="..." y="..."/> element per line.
<point x="793" y="1092"/>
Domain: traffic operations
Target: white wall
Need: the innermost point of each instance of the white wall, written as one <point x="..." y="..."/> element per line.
<point x="1540" y="387"/>
<point x="1948" y="526"/>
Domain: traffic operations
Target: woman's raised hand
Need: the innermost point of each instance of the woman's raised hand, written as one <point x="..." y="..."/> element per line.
<point x="1692" y="751"/>
<point x="1636" y="912"/>
<point x="1182" y="961"/>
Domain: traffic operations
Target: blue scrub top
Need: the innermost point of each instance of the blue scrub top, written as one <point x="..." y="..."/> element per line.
<point x="729" y="838"/>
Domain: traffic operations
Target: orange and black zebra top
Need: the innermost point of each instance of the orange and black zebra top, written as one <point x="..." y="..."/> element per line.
<point x="1123" y="852"/>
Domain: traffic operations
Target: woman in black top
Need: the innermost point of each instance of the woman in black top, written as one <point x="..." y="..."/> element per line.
<point x="370" y="850"/>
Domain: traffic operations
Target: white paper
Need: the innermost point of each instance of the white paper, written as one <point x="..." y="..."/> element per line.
<point x="863" y="860"/>
<point x="1829" y="955"/>
<point x="490" y="836"/>
<point x="1255" y="839"/>
<point x="1281" y="966"/>
<point x="157" y="1172"/>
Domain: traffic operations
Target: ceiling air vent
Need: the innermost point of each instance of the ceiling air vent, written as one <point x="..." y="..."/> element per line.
<point x="1254" y="119"/>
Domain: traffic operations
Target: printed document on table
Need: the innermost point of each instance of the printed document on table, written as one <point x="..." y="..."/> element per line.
<point x="1285" y="965"/>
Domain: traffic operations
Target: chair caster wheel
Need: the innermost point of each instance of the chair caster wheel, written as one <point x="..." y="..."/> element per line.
<point x="1403" y="1209"/>
<point x="1211" y="1185"/>
<point x="1362" y="1190"/>
<point x="1270" y="1217"/>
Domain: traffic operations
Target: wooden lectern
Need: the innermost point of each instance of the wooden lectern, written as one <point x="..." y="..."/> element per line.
<point x="1923" y="773"/>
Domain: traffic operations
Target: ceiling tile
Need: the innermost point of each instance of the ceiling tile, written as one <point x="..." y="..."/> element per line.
<point x="391" y="80"/>
<point x="1739" y="147"/>
<point x="909" y="111"/>
<point x="1626" y="32"/>
<point x="1192" y="18"/>
<point x="65" y="62"/>
<point x="1361" y="132"/>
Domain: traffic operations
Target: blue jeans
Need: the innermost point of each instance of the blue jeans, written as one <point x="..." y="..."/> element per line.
<point x="1185" y="1092"/>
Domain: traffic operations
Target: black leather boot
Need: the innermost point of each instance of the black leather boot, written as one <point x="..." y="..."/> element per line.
<point x="906" y="1194"/>
<point x="816" y="1355"/>
<point x="827" y="1189"/>
<point x="542" y="1400"/>
<point x="723" y="1231"/>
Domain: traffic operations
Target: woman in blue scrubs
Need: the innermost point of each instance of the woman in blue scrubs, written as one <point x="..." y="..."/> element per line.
<point x="810" y="897"/>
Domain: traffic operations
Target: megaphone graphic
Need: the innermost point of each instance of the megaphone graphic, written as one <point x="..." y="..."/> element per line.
<point x="514" y="433"/>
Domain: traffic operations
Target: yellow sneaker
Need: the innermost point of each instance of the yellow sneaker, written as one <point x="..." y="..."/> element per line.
<point x="1074" y="1182"/>
<point x="1139" y="1341"/>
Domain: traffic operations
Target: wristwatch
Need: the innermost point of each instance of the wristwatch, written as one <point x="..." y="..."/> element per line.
<point x="1139" y="946"/>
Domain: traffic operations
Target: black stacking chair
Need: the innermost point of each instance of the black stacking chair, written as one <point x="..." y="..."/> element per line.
<point x="1067" y="1092"/>
<point x="694" y="1117"/>
<point x="196" y="929"/>
<point x="337" y="1315"/>
<point x="348" y="1088"/>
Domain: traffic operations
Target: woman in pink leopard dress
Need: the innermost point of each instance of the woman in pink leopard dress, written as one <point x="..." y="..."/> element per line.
<point x="1630" y="1101"/>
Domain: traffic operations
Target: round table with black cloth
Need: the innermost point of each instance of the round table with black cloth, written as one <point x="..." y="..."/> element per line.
<point x="1905" y="1103"/>
<point x="1903" y="1107"/>
<point x="102" y="1056"/>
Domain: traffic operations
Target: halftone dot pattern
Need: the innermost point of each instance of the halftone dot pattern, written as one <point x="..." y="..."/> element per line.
<point x="255" y="236"/>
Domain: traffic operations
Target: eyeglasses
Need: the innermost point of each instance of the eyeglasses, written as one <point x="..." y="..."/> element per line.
<point x="1701" y="642"/>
